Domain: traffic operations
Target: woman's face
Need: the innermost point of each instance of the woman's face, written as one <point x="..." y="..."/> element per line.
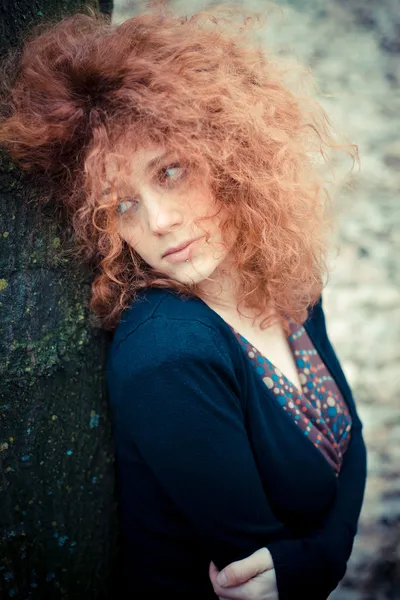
<point x="157" y="213"/>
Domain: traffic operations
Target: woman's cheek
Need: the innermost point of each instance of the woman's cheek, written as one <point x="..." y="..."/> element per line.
<point x="132" y="234"/>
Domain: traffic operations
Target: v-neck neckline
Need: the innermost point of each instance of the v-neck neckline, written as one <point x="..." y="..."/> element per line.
<point x="301" y="397"/>
<point x="308" y="326"/>
<point x="290" y="420"/>
<point x="233" y="329"/>
<point x="275" y="368"/>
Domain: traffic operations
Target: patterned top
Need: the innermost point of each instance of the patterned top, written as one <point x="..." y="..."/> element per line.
<point x="320" y="411"/>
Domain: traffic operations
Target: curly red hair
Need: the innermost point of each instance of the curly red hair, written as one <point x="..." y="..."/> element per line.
<point x="82" y="90"/>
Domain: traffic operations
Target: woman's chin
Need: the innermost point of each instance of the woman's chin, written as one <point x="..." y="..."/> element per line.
<point x="192" y="272"/>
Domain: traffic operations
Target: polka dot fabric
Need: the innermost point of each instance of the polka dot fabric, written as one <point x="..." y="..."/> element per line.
<point x="319" y="411"/>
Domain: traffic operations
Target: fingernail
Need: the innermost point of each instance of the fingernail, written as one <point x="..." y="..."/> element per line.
<point x="221" y="579"/>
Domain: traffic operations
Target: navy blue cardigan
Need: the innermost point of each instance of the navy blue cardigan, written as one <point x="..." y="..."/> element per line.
<point x="210" y="466"/>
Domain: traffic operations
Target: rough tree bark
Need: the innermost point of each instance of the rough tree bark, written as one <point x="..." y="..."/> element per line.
<point x="58" y="518"/>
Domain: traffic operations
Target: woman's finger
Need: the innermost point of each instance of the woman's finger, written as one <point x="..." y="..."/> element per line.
<point x="241" y="571"/>
<point x="212" y="572"/>
<point x="262" y="587"/>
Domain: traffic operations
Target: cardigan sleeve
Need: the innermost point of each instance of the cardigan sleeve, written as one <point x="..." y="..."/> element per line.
<point x="180" y="404"/>
<point x="321" y="558"/>
<point x="314" y="565"/>
<point x="176" y="397"/>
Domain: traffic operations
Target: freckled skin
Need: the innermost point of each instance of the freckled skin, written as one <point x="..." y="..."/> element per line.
<point x="161" y="212"/>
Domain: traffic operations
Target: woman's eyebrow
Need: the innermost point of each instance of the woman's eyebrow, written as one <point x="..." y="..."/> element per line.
<point x="120" y="189"/>
<point x="151" y="166"/>
<point x="155" y="162"/>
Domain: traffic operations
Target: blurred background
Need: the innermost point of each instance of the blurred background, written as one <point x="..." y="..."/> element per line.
<point x="353" y="49"/>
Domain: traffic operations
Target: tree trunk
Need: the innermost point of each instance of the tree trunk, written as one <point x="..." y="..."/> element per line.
<point x="58" y="518"/>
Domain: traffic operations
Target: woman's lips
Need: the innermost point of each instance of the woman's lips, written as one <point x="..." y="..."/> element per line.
<point x="181" y="255"/>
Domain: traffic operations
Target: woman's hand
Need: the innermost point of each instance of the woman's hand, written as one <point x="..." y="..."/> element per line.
<point x="252" y="578"/>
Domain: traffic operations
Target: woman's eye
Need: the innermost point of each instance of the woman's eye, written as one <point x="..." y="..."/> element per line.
<point x="172" y="172"/>
<point x="126" y="205"/>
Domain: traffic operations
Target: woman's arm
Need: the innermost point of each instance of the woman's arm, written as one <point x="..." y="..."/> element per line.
<point x="176" y="395"/>
<point x="337" y="533"/>
<point x="293" y="559"/>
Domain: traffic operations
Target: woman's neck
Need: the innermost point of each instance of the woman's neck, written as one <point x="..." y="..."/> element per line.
<point x="220" y="289"/>
<point x="221" y="293"/>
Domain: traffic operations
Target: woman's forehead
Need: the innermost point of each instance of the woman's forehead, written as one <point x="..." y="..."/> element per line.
<point x="125" y="168"/>
<point x="139" y="161"/>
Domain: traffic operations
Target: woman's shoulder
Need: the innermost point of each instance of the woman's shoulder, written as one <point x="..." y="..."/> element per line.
<point x="172" y="341"/>
<point x="153" y="303"/>
<point x="164" y="302"/>
<point x="166" y="322"/>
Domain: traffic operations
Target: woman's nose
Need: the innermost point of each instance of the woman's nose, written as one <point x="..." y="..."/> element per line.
<point x="162" y="214"/>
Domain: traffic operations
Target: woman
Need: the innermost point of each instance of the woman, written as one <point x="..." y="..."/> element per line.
<point x="190" y="172"/>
